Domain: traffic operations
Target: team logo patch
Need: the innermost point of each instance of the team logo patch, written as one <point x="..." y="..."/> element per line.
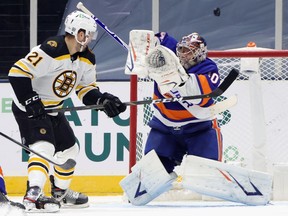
<point x="64" y="83"/>
<point x="52" y="43"/>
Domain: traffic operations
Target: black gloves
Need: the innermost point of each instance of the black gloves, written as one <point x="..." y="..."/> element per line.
<point x="34" y="107"/>
<point x="112" y="105"/>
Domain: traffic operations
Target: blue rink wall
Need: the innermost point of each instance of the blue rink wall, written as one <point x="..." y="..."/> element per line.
<point x="104" y="145"/>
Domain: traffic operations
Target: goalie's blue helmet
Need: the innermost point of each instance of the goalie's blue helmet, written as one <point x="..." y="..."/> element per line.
<point x="191" y="50"/>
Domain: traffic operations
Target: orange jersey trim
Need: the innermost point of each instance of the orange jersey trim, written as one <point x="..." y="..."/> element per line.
<point x="173" y="114"/>
<point x="219" y="138"/>
<point x="205" y="88"/>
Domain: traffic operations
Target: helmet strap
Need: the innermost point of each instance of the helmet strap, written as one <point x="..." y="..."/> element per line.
<point x="82" y="44"/>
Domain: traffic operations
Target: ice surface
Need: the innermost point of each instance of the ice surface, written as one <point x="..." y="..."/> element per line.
<point x="116" y="206"/>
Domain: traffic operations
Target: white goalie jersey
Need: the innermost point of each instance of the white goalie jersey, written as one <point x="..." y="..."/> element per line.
<point x="55" y="73"/>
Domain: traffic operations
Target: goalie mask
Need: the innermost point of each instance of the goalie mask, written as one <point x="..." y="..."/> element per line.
<point x="191" y="50"/>
<point x="77" y="21"/>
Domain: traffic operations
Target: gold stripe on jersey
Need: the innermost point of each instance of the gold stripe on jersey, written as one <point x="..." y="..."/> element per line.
<point x="67" y="56"/>
<point x="22" y="65"/>
<point x="52" y="103"/>
<point x="38" y="164"/>
<point x="39" y="160"/>
<point x="59" y="169"/>
<point x="15" y="71"/>
<point x="63" y="177"/>
<point x="82" y="90"/>
<point x="63" y="174"/>
<point x="21" y="69"/>
<point x="41" y="169"/>
<point x="86" y="60"/>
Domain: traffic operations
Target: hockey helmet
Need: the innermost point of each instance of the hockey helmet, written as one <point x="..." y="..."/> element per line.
<point x="78" y="20"/>
<point x="191" y="50"/>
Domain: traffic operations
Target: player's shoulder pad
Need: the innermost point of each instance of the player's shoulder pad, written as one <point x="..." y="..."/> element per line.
<point x="55" y="46"/>
<point x="89" y="55"/>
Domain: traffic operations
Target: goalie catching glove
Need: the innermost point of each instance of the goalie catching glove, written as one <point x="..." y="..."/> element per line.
<point x="112" y="105"/>
<point x="165" y="69"/>
<point x="140" y="44"/>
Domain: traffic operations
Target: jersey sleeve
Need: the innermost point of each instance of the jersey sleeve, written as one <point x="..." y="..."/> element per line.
<point x="35" y="64"/>
<point x="203" y="79"/>
<point x="87" y="85"/>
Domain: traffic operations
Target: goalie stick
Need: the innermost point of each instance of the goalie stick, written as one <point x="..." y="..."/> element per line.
<point x="69" y="164"/>
<point x="217" y="92"/>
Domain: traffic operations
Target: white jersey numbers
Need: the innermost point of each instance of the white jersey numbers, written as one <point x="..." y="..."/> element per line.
<point x="214" y="77"/>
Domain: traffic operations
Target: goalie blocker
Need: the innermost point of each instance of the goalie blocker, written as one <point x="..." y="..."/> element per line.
<point x="149" y="179"/>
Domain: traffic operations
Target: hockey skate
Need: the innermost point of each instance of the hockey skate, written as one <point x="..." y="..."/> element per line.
<point x="68" y="198"/>
<point x="5" y="200"/>
<point x="35" y="201"/>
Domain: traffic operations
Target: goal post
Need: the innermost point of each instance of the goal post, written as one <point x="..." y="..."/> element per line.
<point x="254" y="131"/>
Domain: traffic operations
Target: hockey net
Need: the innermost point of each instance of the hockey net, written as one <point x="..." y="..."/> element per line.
<point x="254" y="131"/>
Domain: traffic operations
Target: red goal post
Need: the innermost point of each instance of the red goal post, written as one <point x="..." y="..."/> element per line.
<point x="273" y="67"/>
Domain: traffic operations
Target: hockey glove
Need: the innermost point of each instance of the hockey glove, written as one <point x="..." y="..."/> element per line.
<point x="165" y="69"/>
<point x="34" y="107"/>
<point x="112" y="105"/>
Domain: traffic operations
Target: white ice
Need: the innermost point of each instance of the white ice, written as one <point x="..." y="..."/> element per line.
<point x="116" y="206"/>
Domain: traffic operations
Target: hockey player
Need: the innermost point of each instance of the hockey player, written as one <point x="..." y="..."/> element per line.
<point x="47" y="76"/>
<point x="182" y="69"/>
<point x="3" y="194"/>
<point x="175" y="132"/>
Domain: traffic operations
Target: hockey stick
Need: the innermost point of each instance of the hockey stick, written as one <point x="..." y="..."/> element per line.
<point x="211" y="111"/>
<point x="69" y="164"/>
<point x="217" y="92"/>
<point x="103" y="26"/>
<point x="202" y="112"/>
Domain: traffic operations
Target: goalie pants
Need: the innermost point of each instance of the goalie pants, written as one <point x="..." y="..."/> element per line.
<point x="171" y="144"/>
<point x="53" y="129"/>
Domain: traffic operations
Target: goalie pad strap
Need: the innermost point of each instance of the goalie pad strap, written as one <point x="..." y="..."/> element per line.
<point x="228" y="182"/>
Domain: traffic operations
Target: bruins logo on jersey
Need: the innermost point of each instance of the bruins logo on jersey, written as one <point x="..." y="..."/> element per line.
<point x="64" y="83"/>
<point x="52" y="43"/>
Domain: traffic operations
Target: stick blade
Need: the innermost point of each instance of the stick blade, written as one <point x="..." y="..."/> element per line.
<point x="69" y="164"/>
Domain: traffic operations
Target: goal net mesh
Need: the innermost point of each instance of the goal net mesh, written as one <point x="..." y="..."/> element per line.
<point x="254" y="131"/>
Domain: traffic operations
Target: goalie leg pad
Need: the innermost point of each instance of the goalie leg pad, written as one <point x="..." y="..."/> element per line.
<point x="227" y="181"/>
<point x="147" y="180"/>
